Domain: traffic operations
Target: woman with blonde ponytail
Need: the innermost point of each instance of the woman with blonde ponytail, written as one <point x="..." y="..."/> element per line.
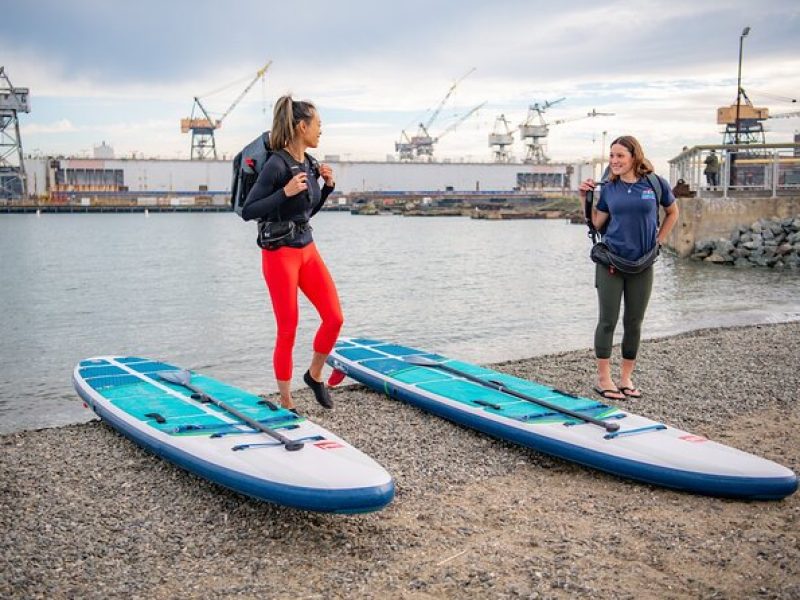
<point x="284" y="198"/>
<point x="628" y="210"/>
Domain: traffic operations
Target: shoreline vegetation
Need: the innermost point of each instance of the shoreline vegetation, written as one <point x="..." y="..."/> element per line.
<point x="86" y="513"/>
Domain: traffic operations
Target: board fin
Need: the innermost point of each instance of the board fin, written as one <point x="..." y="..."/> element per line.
<point x="336" y="378"/>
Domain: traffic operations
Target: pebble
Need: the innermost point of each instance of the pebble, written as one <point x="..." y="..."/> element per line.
<point x="84" y="513"/>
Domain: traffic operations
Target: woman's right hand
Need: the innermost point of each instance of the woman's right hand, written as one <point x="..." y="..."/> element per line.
<point x="296" y="185"/>
<point x="586" y="186"/>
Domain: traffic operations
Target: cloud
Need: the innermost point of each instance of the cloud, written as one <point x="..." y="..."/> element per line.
<point x="62" y="126"/>
<point x="119" y="69"/>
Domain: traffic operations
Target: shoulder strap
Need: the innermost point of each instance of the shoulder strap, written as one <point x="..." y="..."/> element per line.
<point x="314" y="164"/>
<point x="655" y="183"/>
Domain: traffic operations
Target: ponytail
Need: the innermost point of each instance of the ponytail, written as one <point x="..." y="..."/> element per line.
<point x="287" y="115"/>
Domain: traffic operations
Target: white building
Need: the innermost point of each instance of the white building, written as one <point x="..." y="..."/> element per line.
<point x="213" y="177"/>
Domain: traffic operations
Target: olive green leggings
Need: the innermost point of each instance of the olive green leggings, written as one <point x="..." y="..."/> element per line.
<point x="611" y="289"/>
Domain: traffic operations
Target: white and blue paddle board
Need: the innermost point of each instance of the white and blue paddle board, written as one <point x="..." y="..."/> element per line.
<point x="326" y="474"/>
<point x="594" y="434"/>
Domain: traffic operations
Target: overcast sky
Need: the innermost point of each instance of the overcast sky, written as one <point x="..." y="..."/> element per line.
<point x="126" y="73"/>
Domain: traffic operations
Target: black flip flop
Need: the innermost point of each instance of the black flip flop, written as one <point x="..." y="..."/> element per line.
<point x="605" y="394"/>
<point x="625" y="389"/>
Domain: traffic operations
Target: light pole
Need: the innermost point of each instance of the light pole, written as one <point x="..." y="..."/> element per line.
<point x="745" y="31"/>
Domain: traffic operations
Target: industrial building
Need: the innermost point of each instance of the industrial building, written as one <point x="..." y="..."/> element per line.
<point x="72" y="180"/>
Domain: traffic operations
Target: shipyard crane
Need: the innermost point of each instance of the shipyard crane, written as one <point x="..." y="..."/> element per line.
<point x="534" y="130"/>
<point x="424" y="146"/>
<point x="501" y="136"/>
<point x="743" y="122"/>
<point x="422" y="142"/>
<point x="404" y="148"/>
<point x="537" y="132"/>
<point x="202" y="126"/>
<point x="13" y="100"/>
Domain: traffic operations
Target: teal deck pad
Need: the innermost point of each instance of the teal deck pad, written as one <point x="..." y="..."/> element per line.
<point x="112" y="381"/>
<point x="416" y="375"/>
<point x="387" y="366"/>
<point x="467" y="392"/>
<point x="89" y="372"/>
<point x="151" y="367"/>
<point x="93" y="362"/>
<point x="358" y="354"/>
<point x="397" y="350"/>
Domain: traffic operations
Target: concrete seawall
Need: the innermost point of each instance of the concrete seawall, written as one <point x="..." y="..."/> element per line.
<point x="713" y="218"/>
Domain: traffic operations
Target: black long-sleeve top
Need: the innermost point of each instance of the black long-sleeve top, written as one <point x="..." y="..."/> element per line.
<point x="268" y="201"/>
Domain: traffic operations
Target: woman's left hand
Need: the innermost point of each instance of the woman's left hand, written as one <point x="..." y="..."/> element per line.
<point x="327" y="174"/>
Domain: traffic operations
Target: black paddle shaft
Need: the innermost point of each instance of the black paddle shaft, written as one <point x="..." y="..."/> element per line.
<point x="503" y="389"/>
<point x="290" y="445"/>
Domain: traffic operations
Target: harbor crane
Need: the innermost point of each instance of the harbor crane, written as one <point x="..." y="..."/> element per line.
<point x="404" y="148"/>
<point x="13" y="100"/>
<point x="202" y="126"/>
<point x="751" y="119"/>
<point x="535" y="129"/>
<point x="501" y="137"/>
<point x="422" y="143"/>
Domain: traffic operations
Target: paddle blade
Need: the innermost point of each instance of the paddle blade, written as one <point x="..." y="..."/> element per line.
<point x="179" y="377"/>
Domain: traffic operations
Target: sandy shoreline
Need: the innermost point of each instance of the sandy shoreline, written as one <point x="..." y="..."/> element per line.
<point x="472" y="517"/>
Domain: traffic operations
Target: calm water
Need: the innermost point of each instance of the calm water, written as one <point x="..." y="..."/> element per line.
<point x="187" y="288"/>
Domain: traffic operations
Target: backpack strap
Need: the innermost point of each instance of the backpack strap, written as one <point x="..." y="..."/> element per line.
<point x="314" y="165"/>
<point x="655" y="183"/>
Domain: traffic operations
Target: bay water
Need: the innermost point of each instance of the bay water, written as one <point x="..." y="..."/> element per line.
<point x="187" y="289"/>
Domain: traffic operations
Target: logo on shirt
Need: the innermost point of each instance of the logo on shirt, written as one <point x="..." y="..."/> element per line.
<point x="648" y="195"/>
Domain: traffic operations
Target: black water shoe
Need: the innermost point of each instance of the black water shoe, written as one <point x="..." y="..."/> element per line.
<point x="319" y="389"/>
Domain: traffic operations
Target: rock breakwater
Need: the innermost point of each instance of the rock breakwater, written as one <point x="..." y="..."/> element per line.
<point x="773" y="243"/>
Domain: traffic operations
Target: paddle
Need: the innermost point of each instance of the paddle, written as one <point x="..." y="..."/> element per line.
<point x="421" y="361"/>
<point x="184" y="378"/>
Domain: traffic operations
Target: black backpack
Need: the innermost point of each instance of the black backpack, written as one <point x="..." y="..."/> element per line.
<point x="248" y="164"/>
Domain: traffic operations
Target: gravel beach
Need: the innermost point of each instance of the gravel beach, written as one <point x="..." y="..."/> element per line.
<point x="84" y="513"/>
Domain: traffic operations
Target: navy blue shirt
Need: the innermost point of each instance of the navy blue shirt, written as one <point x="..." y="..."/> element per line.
<point x="633" y="215"/>
<point x="268" y="201"/>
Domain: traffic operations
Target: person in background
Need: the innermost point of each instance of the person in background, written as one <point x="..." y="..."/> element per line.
<point x="287" y="193"/>
<point x="628" y="207"/>
<point x="712" y="169"/>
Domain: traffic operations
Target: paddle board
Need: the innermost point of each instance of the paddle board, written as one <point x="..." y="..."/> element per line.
<point x="595" y="434"/>
<point x="327" y="474"/>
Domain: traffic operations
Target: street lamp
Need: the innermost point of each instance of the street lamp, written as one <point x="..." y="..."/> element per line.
<point x="745" y="31"/>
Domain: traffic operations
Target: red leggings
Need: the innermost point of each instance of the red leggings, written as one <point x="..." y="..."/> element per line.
<point x="285" y="270"/>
